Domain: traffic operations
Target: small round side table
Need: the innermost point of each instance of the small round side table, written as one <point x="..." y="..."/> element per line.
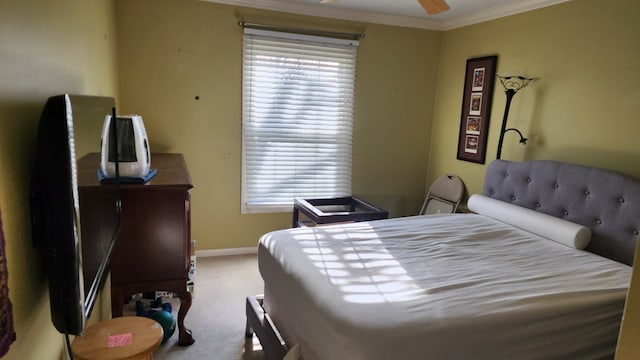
<point x="127" y="337"/>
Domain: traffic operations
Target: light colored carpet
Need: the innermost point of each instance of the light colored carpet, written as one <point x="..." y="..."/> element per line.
<point x="217" y="315"/>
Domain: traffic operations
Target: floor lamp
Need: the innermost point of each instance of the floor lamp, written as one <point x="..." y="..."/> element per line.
<point x="511" y="84"/>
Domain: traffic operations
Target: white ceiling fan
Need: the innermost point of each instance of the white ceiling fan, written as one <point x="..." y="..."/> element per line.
<point x="432" y="7"/>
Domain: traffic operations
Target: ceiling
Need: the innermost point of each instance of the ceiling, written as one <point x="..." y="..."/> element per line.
<point x="406" y="13"/>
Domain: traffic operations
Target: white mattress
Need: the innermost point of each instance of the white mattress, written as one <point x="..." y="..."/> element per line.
<point x="455" y="286"/>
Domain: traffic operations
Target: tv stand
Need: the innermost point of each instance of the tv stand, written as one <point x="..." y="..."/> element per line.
<point x="153" y="250"/>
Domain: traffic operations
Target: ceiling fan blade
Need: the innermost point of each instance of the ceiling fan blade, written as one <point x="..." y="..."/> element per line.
<point x="434" y="6"/>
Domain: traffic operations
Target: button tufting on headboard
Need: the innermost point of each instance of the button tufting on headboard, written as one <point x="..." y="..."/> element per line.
<point x="605" y="201"/>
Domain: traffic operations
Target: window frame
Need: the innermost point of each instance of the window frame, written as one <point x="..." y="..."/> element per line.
<point x="246" y="207"/>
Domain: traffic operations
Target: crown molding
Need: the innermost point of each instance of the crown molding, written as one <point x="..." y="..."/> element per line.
<point x="390" y="19"/>
<point x="499" y="12"/>
<point x="337" y="13"/>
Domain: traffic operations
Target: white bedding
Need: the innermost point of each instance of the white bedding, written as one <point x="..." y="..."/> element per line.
<point x="459" y="286"/>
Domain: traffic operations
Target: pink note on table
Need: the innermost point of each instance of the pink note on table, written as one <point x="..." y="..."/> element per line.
<point x="120" y="340"/>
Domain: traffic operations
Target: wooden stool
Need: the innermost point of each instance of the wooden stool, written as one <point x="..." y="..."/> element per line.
<point x="128" y="337"/>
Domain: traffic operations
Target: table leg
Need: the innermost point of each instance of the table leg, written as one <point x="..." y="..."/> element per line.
<point x="185" y="337"/>
<point x="295" y="217"/>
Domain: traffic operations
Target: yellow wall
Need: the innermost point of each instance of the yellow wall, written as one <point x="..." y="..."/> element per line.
<point x="171" y="52"/>
<point x="47" y="47"/>
<point x="628" y="348"/>
<point x="583" y="108"/>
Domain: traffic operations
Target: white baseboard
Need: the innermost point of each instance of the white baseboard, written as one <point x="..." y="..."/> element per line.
<point x="227" y="252"/>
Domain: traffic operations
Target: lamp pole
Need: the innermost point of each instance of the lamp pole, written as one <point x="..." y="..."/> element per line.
<point x="511" y="86"/>
<point x="510" y="93"/>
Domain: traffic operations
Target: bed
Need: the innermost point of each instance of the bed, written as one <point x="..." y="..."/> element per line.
<point x="539" y="269"/>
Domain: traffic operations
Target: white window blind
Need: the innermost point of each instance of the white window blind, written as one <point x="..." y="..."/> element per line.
<point x="297" y="120"/>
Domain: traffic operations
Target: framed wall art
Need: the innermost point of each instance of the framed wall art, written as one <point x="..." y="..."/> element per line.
<point x="476" y="108"/>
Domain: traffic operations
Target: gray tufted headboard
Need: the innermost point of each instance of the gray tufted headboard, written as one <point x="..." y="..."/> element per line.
<point x="606" y="202"/>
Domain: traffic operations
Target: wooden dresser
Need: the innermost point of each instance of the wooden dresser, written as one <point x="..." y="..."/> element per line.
<point x="153" y="250"/>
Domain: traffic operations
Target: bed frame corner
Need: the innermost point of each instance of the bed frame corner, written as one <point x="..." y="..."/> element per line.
<point x="260" y="323"/>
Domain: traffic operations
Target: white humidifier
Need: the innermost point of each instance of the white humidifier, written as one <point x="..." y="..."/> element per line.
<point x="130" y="147"/>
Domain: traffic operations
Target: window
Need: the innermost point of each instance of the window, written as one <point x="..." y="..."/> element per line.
<point x="297" y="119"/>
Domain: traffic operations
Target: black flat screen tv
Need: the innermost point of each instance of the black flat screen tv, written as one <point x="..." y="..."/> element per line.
<point x="76" y="246"/>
